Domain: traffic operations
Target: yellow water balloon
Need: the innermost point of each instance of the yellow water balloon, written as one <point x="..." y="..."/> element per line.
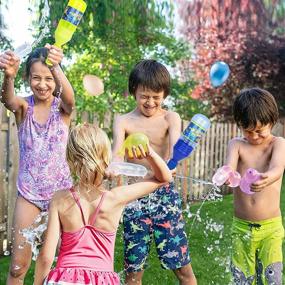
<point x="134" y="139"/>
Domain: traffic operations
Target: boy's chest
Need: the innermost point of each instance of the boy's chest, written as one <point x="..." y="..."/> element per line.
<point x="258" y="158"/>
<point x="155" y="129"/>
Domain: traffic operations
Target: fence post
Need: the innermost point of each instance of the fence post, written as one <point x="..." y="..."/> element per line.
<point x="3" y="177"/>
<point x="13" y="162"/>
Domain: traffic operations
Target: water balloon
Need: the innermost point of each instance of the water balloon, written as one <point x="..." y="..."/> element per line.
<point x="134" y="139"/>
<point x="93" y="85"/>
<point x="250" y="176"/>
<point x="219" y="73"/>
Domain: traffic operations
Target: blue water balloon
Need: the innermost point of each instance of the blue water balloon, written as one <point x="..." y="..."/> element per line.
<point x="219" y="73"/>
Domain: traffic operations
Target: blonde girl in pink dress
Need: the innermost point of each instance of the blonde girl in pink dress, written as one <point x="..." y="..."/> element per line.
<point x="43" y="121"/>
<point x="86" y="216"/>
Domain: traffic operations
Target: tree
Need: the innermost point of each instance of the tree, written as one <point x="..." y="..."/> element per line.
<point x="248" y="35"/>
<point x="111" y="38"/>
<point x="4" y="42"/>
<point x="113" y="35"/>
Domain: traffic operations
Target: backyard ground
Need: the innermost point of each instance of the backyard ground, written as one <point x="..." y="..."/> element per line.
<point x="210" y="244"/>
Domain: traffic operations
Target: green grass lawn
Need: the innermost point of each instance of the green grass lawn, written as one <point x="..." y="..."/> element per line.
<point x="210" y="248"/>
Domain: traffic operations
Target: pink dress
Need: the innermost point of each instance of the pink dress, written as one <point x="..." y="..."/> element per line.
<point x="86" y="256"/>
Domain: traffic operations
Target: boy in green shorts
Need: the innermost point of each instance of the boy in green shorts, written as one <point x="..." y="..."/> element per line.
<point x="257" y="231"/>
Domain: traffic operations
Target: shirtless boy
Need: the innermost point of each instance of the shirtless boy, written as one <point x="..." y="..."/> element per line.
<point x="257" y="231"/>
<point x="158" y="215"/>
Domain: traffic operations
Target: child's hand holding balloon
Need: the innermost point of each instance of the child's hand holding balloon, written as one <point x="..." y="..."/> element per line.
<point x="134" y="140"/>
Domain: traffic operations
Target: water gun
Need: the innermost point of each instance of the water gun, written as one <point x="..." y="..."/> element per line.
<point x="69" y="22"/>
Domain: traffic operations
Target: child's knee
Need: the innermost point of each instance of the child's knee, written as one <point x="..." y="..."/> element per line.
<point x="19" y="268"/>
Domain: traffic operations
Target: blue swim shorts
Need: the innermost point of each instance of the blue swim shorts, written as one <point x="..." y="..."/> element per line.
<point x="158" y="216"/>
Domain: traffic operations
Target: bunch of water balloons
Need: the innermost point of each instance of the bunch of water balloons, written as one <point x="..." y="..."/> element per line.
<point x="226" y="174"/>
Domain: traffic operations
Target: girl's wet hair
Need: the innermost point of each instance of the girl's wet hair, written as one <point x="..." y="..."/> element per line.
<point x="37" y="55"/>
<point x="88" y="154"/>
<point x="255" y="105"/>
<point x="151" y="75"/>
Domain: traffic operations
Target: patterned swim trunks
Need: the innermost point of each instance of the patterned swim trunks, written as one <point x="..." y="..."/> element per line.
<point x="257" y="251"/>
<point x="157" y="216"/>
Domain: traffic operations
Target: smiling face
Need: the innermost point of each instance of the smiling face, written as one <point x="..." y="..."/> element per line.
<point x="148" y="101"/>
<point x="41" y="81"/>
<point x="257" y="135"/>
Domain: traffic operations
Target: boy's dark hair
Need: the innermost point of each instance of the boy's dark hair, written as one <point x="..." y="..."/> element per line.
<point x="39" y="54"/>
<point x="149" y="74"/>
<point x="255" y="105"/>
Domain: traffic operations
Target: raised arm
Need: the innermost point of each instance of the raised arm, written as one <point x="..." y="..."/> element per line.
<point x="47" y="253"/>
<point x="9" y="63"/>
<point x="276" y="166"/>
<point x="55" y="55"/>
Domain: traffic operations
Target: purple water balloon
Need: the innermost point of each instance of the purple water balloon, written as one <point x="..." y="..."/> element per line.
<point x="234" y="179"/>
<point x="250" y="176"/>
<point x="224" y="174"/>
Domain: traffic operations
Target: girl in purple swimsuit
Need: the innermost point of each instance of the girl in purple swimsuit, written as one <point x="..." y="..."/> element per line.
<point x="43" y="121"/>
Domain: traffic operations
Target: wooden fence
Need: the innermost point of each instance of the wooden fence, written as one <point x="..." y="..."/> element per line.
<point x="207" y="157"/>
<point x="8" y="175"/>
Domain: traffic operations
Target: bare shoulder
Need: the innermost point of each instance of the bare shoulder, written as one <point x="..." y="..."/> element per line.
<point x="279" y="142"/>
<point x="112" y="197"/>
<point x="123" y="119"/>
<point x="236" y="142"/>
<point x="173" y="119"/>
<point x="61" y="198"/>
<point x="171" y="115"/>
<point x="114" y="192"/>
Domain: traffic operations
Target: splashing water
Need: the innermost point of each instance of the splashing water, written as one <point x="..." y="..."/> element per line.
<point x="33" y="234"/>
<point x="23" y="50"/>
<point x="213" y="195"/>
<point x="213" y="231"/>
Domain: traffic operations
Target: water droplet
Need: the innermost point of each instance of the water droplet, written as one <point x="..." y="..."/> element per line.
<point x="33" y="234"/>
